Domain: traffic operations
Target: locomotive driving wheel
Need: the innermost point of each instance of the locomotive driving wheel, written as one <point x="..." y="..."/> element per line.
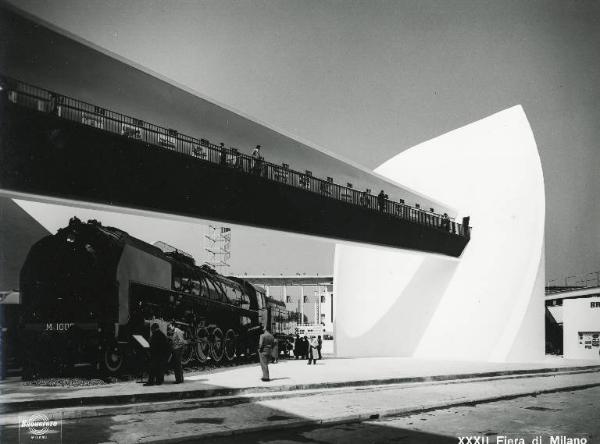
<point x="202" y="344"/>
<point x="230" y="345"/>
<point x="188" y="349"/>
<point x="217" y="344"/>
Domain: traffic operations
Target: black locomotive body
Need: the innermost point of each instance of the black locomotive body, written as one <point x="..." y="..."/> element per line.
<point x="90" y="293"/>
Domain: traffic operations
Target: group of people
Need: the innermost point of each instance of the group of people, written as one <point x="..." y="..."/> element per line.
<point x="305" y="348"/>
<point x="165" y="350"/>
<point x="231" y="157"/>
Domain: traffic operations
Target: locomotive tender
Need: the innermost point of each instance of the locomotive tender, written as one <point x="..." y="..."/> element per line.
<point x="88" y="289"/>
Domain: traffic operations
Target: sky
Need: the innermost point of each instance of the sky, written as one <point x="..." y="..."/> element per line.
<point x="367" y="80"/>
<point x="249" y="246"/>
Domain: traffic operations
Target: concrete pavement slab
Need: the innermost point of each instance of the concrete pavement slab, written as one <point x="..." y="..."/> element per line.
<point x="286" y="376"/>
<point x="351" y="405"/>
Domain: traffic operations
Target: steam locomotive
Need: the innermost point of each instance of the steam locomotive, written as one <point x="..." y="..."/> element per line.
<point x="90" y="293"/>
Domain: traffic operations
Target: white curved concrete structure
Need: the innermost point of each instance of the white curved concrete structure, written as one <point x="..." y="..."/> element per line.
<point x="487" y="305"/>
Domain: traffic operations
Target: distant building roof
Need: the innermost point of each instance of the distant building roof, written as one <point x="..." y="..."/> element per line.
<point x="571" y="292"/>
<point x="294" y="280"/>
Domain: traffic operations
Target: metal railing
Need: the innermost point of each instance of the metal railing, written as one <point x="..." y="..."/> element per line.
<point x="100" y="118"/>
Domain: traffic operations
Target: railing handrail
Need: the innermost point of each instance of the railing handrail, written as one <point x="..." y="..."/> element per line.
<point x="131" y="127"/>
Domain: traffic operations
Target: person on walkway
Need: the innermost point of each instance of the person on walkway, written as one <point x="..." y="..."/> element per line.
<point x="446" y="222"/>
<point x="319" y="346"/>
<point x="381" y="198"/>
<point x="223" y="155"/>
<point x="365" y="199"/>
<point x="159" y="353"/>
<point x="297" y="347"/>
<point x="177" y="342"/>
<point x="256" y="161"/>
<point x="265" y="346"/>
<point x="312" y="350"/>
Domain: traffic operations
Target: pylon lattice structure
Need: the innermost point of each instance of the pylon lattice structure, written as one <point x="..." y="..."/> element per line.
<point x="219" y="246"/>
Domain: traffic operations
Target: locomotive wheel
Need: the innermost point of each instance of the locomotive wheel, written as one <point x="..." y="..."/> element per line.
<point x="202" y="344"/>
<point x="112" y="359"/>
<point x="188" y="348"/>
<point x="218" y="344"/>
<point x="230" y="345"/>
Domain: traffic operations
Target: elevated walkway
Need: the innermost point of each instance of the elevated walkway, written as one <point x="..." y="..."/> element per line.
<point x="53" y="145"/>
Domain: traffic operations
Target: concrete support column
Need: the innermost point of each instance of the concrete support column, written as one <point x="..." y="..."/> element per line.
<point x="436" y="307"/>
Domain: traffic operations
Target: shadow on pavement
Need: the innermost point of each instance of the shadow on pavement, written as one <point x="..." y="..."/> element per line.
<point x="362" y="433"/>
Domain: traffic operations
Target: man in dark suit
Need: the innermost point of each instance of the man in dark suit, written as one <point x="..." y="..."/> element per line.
<point x="265" y="347"/>
<point x="159" y="353"/>
<point x="297" y="347"/>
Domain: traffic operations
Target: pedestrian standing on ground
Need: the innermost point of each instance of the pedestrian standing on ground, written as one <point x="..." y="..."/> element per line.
<point x="312" y="350"/>
<point x="265" y="347"/>
<point x="275" y="351"/>
<point x="177" y="342"/>
<point x="159" y="353"/>
<point x="297" y="347"/>
<point x="305" y="347"/>
<point x="319" y="346"/>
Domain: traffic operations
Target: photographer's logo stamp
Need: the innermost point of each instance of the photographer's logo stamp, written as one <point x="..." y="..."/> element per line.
<point x="40" y="427"/>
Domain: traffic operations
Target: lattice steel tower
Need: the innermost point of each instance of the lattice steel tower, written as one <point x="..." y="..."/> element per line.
<point x="219" y="246"/>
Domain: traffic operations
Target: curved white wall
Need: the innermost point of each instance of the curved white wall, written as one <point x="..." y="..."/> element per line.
<point x="487" y="305"/>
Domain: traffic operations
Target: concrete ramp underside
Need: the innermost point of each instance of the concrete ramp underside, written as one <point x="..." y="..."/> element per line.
<point x="487" y="305"/>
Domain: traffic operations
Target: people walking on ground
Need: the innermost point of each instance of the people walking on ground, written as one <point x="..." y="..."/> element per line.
<point x="312" y="350"/>
<point x="177" y="342"/>
<point x="265" y="346"/>
<point x="159" y="353"/>
<point x="319" y="346"/>
<point x="297" y="347"/>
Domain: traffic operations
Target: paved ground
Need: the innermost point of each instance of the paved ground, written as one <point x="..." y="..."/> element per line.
<point x="571" y="414"/>
<point x="286" y="374"/>
<point x="199" y="421"/>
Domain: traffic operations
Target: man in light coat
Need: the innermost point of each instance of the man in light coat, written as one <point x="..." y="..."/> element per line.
<point x="266" y="343"/>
